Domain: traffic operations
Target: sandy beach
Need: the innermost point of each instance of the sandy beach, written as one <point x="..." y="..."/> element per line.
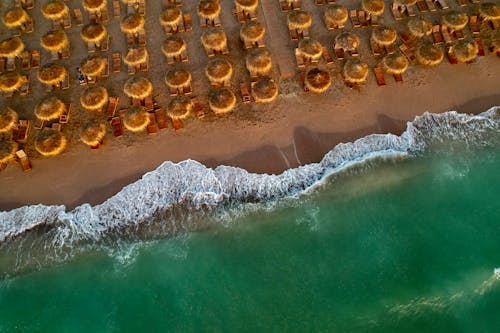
<point x="296" y="129"/>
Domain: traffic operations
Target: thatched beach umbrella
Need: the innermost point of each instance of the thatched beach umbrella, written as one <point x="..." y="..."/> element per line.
<point x="419" y="26"/>
<point x="136" y="56"/>
<point x="132" y="24"/>
<point x="455" y="20"/>
<point x="11" y="47"/>
<point x="214" y="39"/>
<point x="173" y="46"/>
<point x="258" y="61"/>
<point x="395" y="63"/>
<point x="219" y="70"/>
<point x="208" y="9"/>
<point x="355" y="71"/>
<point x="221" y="100"/>
<point x="136" y="119"/>
<point x="171" y="16"/>
<point x="94" y="98"/>
<point x="317" y="80"/>
<point x="373" y="7"/>
<point x="310" y="49"/>
<point x="299" y="19"/>
<point x="347" y="41"/>
<point x="335" y="15"/>
<point x="94" y="6"/>
<point x="265" y="90"/>
<point x="179" y="107"/>
<point x="55" y="10"/>
<point x="252" y="31"/>
<point x="8" y="148"/>
<point x="94" y="33"/>
<point x="56" y="40"/>
<point x="138" y="87"/>
<point x="465" y="50"/>
<point x="93" y="66"/>
<point x="384" y="36"/>
<point x="8" y="119"/>
<point x="489" y="11"/>
<point x="50" y="143"/>
<point x="50" y="108"/>
<point x="178" y="78"/>
<point x="16" y="18"/>
<point x="249" y="6"/>
<point x="52" y="74"/>
<point x="495" y="40"/>
<point x="11" y="81"/>
<point x="405" y="2"/>
<point x="93" y="134"/>
<point x="429" y="54"/>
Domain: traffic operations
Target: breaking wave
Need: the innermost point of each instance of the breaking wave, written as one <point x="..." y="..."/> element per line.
<point x="177" y="197"/>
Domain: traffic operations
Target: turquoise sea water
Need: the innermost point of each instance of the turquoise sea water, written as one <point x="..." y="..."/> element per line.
<point x="389" y="246"/>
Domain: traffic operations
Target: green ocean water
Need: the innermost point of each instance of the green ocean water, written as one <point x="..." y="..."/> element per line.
<point x="393" y="246"/>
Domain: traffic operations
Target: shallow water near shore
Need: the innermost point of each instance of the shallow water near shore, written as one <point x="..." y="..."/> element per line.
<point x="390" y="245"/>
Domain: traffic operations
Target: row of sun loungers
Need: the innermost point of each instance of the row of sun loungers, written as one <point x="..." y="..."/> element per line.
<point x="286" y="6"/>
<point x="243" y="16"/>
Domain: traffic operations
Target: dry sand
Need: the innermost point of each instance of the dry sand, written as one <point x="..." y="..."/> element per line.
<point x="296" y="129"/>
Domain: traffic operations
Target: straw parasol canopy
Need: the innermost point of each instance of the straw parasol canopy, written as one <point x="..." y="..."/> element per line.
<point x="247" y="5"/>
<point x="55" y="10"/>
<point x="93" y="66"/>
<point x="55" y="40"/>
<point x="489" y="11"/>
<point x="52" y="74"/>
<point x="11" y="81"/>
<point x="208" y="9"/>
<point x="178" y="78"/>
<point x="419" y="26"/>
<point x="138" y="87"/>
<point x="310" y="48"/>
<point x="50" y="143"/>
<point x="179" y="107"/>
<point x="171" y="16"/>
<point x="429" y="54"/>
<point x="136" y="119"/>
<point x="15" y="18"/>
<point x="335" y="15"/>
<point x="455" y="20"/>
<point x="355" y="71"/>
<point x="93" y="134"/>
<point x="373" y="7"/>
<point x="265" y="90"/>
<point x="219" y="70"/>
<point x="465" y="50"/>
<point x="347" y="41"/>
<point x="495" y="40"/>
<point x="94" y="98"/>
<point x="405" y="2"/>
<point x="8" y="119"/>
<point x="299" y="19"/>
<point x="8" y="148"/>
<point x="132" y="23"/>
<point x="384" y="35"/>
<point x="93" y="33"/>
<point x="94" y="6"/>
<point x="252" y="31"/>
<point x="214" y="39"/>
<point x="11" y="47"/>
<point x="136" y="56"/>
<point x="395" y="63"/>
<point x="259" y="61"/>
<point x="50" y="108"/>
<point x="173" y="46"/>
<point x="221" y="100"/>
<point x="317" y="80"/>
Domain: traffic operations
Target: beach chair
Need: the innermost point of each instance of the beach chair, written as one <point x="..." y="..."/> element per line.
<point x="473" y="24"/>
<point x="116" y="124"/>
<point x="65" y="53"/>
<point x="422" y="7"/>
<point x="375" y="47"/>
<point x="319" y="2"/>
<point x="462" y="3"/>
<point x="116" y="9"/>
<point x="2" y="65"/>
<point x="302" y="77"/>
<point x="131" y="70"/>
<point x="245" y="95"/>
<point x="38" y="125"/>
<point x="305" y="34"/>
<point x="65" y="83"/>
<point x="142" y="8"/>
<point x="197" y="108"/>
<point x="284" y="6"/>
<point x="77" y="15"/>
<point x="25" y="60"/>
<point x="374" y="21"/>
<point x="136" y="102"/>
<point x="64" y="118"/>
<point x="151" y="128"/>
<point x="339" y="53"/>
<point x="22" y="131"/>
<point x="188" y="25"/>
<point x="104" y="16"/>
<point x="56" y="127"/>
<point x="35" y="59"/>
<point x="398" y="77"/>
<point x="436" y="35"/>
<point x="395" y="12"/>
<point x="407" y="52"/>
<point x="411" y="10"/>
<point x="29" y="27"/>
<point x="389" y="49"/>
<point x="480" y="46"/>
<point x="294" y="35"/>
<point x="148" y="103"/>
<point x="25" y="87"/>
<point x="362" y="18"/>
<point x="67" y="22"/>
<point x="353" y="14"/>
<point x="11" y="64"/>
<point x="442" y="4"/>
<point x="161" y="118"/>
<point x="431" y="5"/>
<point x="177" y="124"/>
<point x="23" y="160"/>
<point x="299" y="59"/>
<point x="379" y="75"/>
<point x="130" y="9"/>
<point x="446" y="35"/>
<point x="327" y="56"/>
<point x="112" y="106"/>
<point x="105" y="44"/>
<point x="91" y="47"/>
<point x="105" y="72"/>
<point x="142" y="38"/>
<point x="451" y="56"/>
<point x="54" y="55"/>
<point x="217" y="22"/>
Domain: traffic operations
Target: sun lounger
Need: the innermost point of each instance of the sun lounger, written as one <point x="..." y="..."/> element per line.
<point x="442" y="4"/>
<point x="446" y="35"/>
<point x="65" y="53"/>
<point x="54" y="55"/>
<point x="398" y="77"/>
<point x="297" y="5"/>
<point x="480" y="46"/>
<point x="379" y="75"/>
<point x="374" y="21"/>
<point x="354" y="18"/>
<point x="390" y="48"/>
<point x="407" y="52"/>
<point x="136" y="102"/>
<point x="362" y="18"/>
<point x="104" y="16"/>
<point x="116" y="124"/>
<point x="451" y="56"/>
<point x="319" y="2"/>
<point x="29" y="4"/>
<point x="411" y="10"/>
<point x="293" y="34"/>
<point x="375" y="47"/>
<point x="462" y="3"/>
<point x="91" y="47"/>
<point x="105" y="44"/>
<point x="105" y="72"/>
<point x="188" y="26"/>
<point x="245" y="94"/>
<point x="64" y="118"/>
<point x="396" y="13"/>
<point x="302" y="77"/>
<point x="131" y="70"/>
<point x="422" y="7"/>
<point x="225" y="50"/>
<point x="436" y="35"/>
<point x="458" y="34"/>
<point x="144" y="67"/>
<point x="306" y="34"/>
<point x="474" y="26"/>
<point x="29" y="27"/>
<point x="148" y="103"/>
<point x="161" y="118"/>
<point x="25" y="60"/>
<point x="339" y="53"/>
<point x="22" y="131"/>
<point x="77" y="15"/>
<point x="56" y="25"/>
<point x="56" y="126"/>
<point x="299" y="59"/>
<point x="117" y="63"/>
<point x="431" y="5"/>
<point x="284" y="6"/>
<point x="2" y="65"/>
<point x="65" y="83"/>
<point x="11" y="64"/>
<point x="177" y="124"/>
<point x="184" y="57"/>
<point x="93" y="17"/>
<point x="24" y="161"/>
<point x="217" y="22"/>
<point x="130" y="9"/>
<point x="142" y="38"/>
<point x="198" y="109"/>
<point x="35" y="59"/>
<point x="25" y="87"/>
<point x="151" y="129"/>
<point x="112" y="106"/>
<point x="91" y="80"/>
<point x="327" y="56"/>
<point x="142" y="9"/>
<point x="38" y="125"/>
<point x="116" y="9"/>
<point x="67" y="22"/>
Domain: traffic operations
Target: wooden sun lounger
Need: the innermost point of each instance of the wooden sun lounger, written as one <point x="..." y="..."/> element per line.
<point x="177" y="124"/>
<point x="299" y="59"/>
<point x="284" y="6"/>
<point x="293" y="34"/>
<point x="2" y="65"/>
<point x="151" y="128"/>
<point x="105" y="72"/>
<point x="480" y="46"/>
<point x="442" y="4"/>
<point x="29" y="27"/>
<point x="130" y="9"/>
<point x="11" y="64"/>
<point x="302" y="77"/>
<point x="374" y="21"/>
<point x="54" y="55"/>
<point x="22" y="131"/>
<point x="306" y="34"/>
<point x="198" y="109"/>
<point x="91" y="47"/>
<point x="116" y="9"/>
<point x="144" y="67"/>
<point x="142" y="8"/>
<point x="375" y="47"/>
<point x="407" y="52"/>
<point x="148" y="103"/>
<point x="65" y="83"/>
<point x="458" y="34"/>
<point x="353" y="14"/>
<point x="131" y="70"/>
<point x="38" y="125"/>
<point x="327" y="56"/>
<point x="77" y="14"/>
<point x="462" y="3"/>
<point x="112" y="106"/>
<point x="422" y="7"/>
<point x="245" y="95"/>
<point x="398" y="77"/>
<point x="451" y="56"/>
<point x="473" y="24"/>
<point x="389" y="49"/>
<point x="29" y="4"/>
<point x="362" y="18"/>
<point x="142" y="38"/>
<point x="188" y="25"/>
<point x="396" y="13"/>
<point x="116" y="124"/>
<point x="25" y="87"/>
<point x="117" y="63"/>
<point x="379" y="75"/>
<point x="136" y="102"/>
<point x="64" y="118"/>
<point x="161" y="118"/>
<point x="319" y="2"/>
<point x="105" y="16"/>
<point x="436" y="35"/>
<point x="431" y="5"/>
<point x="339" y="53"/>
<point x="65" y="53"/>
<point x="411" y="10"/>
<point x="67" y="22"/>
<point x="25" y="60"/>
<point x="35" y="59"/>
<point x="24" y="161"/>
<point x="56" y="126"/>
<point x="446" y="35"/>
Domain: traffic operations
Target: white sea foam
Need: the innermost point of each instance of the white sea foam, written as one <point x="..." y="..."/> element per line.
<point x="195" y="188"/>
